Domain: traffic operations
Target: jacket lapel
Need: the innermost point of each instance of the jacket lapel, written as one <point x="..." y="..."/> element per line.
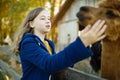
<point x="40" y="43"/>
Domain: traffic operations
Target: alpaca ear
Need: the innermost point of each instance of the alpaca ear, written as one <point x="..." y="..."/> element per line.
<point x="31" y="24"/>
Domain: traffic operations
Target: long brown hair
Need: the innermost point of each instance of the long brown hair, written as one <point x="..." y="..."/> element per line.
<point x="25" y="28"/>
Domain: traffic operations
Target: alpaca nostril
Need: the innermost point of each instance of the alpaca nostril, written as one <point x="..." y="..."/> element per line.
<point x="84" y="9"/>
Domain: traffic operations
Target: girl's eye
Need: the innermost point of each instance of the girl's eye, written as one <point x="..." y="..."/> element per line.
<point x="42" y="18"/>
<point x="48" y="18"/>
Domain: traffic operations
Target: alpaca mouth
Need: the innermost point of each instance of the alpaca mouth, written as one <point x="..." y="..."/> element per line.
<point x="81" y="25"/>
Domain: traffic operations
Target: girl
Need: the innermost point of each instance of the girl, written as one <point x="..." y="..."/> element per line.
<point x="38" y="57"/>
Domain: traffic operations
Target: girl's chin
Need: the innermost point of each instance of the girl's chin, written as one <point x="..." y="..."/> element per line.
<point x="46" y="31"/>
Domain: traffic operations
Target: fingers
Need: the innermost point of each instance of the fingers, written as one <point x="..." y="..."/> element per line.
<point x="98" y="25"/>
<point x="86" y="28"/>
<point x="101" y="37"/>
<point x="92" y="34"/>
<point x="102" y="31"/>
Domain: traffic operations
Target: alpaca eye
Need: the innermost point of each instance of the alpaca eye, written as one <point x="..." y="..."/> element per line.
<point x="110" y="14"/>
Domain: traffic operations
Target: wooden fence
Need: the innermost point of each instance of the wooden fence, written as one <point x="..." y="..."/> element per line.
<point x="67" y="74"/>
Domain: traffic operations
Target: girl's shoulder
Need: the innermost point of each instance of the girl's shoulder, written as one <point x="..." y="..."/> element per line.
<point x="28" y="37"/>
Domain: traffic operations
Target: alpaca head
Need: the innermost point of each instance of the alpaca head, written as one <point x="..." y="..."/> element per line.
<point x="108" y="11"/>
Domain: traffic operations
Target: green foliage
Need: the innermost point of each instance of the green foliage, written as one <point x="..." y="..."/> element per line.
<point x="13" y="12"/>
<point x="2" y="76"/>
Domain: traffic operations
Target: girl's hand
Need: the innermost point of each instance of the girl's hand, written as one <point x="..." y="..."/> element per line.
<point x="92" y="34"/>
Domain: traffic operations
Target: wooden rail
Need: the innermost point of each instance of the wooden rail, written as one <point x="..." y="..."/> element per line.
<point x="74" y="74"/>
<point x="67" y="74"/>
<point x="7" y="69"/>
<point x="10" y="53"/>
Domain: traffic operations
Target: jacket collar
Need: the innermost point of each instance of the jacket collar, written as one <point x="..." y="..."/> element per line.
<point x="40" y="43"/>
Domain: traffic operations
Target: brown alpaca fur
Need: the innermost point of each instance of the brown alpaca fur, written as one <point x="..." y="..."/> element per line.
<point x="110" y="12"/>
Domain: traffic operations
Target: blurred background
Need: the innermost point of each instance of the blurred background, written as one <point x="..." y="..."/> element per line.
<point x="12" y="13"/>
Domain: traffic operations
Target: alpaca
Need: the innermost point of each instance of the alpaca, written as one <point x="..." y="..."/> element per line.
<point x="108" y="10"/>
<point x="95" y="60"/>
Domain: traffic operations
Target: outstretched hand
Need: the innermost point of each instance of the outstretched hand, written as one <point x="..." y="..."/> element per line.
<point x="92" y="34"/>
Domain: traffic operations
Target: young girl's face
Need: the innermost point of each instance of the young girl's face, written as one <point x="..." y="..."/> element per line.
<point x="42" y="23"/>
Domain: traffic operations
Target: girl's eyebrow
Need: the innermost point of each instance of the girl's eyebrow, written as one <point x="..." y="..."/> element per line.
<point x="44" y="16"/>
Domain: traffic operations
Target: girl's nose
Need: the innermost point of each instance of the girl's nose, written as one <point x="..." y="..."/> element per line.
<point x="48" y="21"/>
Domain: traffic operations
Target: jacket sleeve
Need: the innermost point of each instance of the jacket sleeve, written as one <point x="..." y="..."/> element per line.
<point x="36" y="55"/>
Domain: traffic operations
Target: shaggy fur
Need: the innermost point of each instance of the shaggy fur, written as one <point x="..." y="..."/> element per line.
<point x="110" y="12"/>
<point x="95" y="60"/>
